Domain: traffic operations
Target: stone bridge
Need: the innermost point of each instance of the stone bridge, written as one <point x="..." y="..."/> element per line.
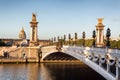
<point x="103" y="60"/>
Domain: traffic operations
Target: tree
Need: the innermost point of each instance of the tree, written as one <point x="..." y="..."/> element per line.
<point x="118" y="44"/>
<point x="61" y="38"/>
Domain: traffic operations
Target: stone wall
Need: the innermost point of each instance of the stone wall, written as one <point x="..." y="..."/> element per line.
<point x="30" y="52"/>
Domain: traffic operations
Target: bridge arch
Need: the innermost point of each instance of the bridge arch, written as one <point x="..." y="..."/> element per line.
<point x="89" y="56"/>
<point x="46" y="54"/>
<point x="59" y="56"/>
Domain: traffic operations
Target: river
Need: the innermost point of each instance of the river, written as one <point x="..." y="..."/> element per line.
<point x="48" y="71"/>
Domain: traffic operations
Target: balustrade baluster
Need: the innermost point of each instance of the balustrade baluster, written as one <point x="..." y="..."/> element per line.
<point x="100" y="61"/>
<point x="117" y="69"/>
<point x="108" y="67"/>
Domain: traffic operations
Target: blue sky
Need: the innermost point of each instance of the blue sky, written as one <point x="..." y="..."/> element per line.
<point x="58" y="17"/>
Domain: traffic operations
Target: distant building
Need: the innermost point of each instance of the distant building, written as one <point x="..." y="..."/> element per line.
<point x="11" y="42"/>
<point x="22" y="42"/>
<point x="114" y="39"/>
<point x="22" y="34"/>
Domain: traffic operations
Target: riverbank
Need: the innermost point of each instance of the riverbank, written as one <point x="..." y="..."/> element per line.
<point x="33" y="60"/>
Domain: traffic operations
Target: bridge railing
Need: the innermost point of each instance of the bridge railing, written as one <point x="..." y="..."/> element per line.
<point x="109" y="50"/>
<point x="104" y="51"/>
<point x="89" y="54"/>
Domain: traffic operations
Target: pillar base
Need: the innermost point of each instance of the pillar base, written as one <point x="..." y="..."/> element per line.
<point x="99" y="45"/>
<point x="33" y="44"/>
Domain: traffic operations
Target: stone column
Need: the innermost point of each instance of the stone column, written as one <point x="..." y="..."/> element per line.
<point x="30" y="33"/>
<point x="34" y="33"/>
<point x="99" y="36"/>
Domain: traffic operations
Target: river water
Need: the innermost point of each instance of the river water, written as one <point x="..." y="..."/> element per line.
<point x="48" y="71"/>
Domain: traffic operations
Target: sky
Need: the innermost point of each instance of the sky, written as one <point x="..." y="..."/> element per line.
<point x="58" y="17"/>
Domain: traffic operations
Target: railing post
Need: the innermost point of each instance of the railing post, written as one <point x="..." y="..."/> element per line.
<point x="99" y="60"/>
<point x="108" y="66"/>
<point x="107" y="59"/>
<point x="117" y="70"/>
<point x="117" y="73"/>
<point x="116" y="51"/>
<point x="106" y="50"/>
<point x="100" y="63"/>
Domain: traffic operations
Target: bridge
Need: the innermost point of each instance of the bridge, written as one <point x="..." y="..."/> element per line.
<point x="105" y="61"/>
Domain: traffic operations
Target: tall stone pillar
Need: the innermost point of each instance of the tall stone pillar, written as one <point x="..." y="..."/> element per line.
<point x="33" y="31"/>
<point x="99" y="33"/>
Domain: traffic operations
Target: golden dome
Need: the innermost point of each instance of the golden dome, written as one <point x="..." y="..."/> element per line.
<point x="22" y="34"/>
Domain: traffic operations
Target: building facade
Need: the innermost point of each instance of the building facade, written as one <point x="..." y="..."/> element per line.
<point x="22" y="34"/>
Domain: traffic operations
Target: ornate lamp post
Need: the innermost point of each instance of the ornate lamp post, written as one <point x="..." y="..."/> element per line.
<point x="61" y="41"/>
<point x="64" y="39"/>
<point x="58" y="38"/>
<point x="54" y="40"/>
<point x="94" y="35"/>
<point x="69" y="37"/>
<point x="76" y="38"/>
<point x="83" y="36"/>
<point x="108" y="34"/>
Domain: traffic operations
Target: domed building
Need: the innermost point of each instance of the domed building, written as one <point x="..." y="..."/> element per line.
<point x="22" y="34"/>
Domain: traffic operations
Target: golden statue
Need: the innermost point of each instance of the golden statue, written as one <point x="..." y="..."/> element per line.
<point x="100" y="20"/>
<point x="33" y="17"/>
